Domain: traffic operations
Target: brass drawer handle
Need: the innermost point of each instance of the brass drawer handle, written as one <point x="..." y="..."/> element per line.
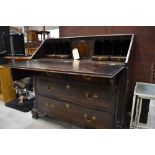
<point x="50" y="87"/>
<point x="67" y="86"/>
<point x="89" y="119"/>
<point x="87" y="77"/>
<point x="91" y="97"/>
<point x="67" y="106"/>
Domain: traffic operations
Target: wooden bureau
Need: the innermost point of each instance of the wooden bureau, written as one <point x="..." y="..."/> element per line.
<point x="90" y="92"/>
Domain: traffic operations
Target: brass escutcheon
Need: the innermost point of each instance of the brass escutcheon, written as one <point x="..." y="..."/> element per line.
<point x="68" y="86"/>
<point x="67" y="106"/>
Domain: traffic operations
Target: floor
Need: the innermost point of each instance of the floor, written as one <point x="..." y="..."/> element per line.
<point x="14" y="119"/>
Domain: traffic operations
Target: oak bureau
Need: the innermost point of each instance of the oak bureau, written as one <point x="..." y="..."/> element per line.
<point x="90" y="92"/>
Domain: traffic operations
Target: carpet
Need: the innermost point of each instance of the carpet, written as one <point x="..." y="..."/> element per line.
<point x="26" y="106"/>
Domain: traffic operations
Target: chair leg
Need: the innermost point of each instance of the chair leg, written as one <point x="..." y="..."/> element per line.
<point x="137" y="110"/>
<point x="140" y="107"/>
<point x="132" y="112"/>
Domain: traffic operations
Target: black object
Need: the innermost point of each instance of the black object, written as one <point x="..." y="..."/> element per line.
<point x="4" y="30"/>
<point x="25" y="106"/>
<point x="17" y="41"/>
<point x="25" y="96"/>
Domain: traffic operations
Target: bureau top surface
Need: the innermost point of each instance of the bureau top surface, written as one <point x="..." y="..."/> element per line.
<point x="68" y="66"/>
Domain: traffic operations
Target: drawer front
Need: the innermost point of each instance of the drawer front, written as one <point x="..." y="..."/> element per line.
<point x="80" y="115"/>
<point x="91" y="95"/>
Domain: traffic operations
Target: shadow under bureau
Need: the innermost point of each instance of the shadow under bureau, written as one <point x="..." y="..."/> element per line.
<point x="89" y="92"/>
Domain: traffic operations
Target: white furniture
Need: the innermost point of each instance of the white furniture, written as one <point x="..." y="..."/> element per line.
<point x="142" y="91"/>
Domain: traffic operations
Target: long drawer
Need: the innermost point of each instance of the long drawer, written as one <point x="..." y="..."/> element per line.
<point x="91" y="95"/>
<point x="73" y="113"/>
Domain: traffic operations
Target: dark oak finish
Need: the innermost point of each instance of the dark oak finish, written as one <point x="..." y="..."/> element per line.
<point x="90" y="93"/>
